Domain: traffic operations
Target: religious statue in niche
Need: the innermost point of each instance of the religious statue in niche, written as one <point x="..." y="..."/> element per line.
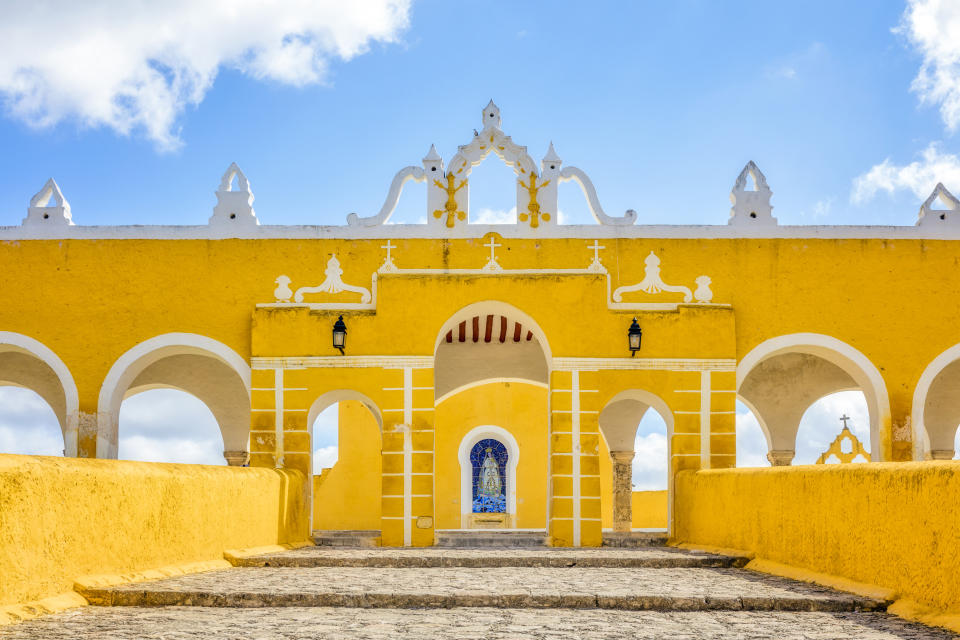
<point x="489" y="460"/>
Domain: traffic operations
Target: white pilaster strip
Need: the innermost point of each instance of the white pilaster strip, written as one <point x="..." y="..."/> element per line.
<point x="278" y="416"/>
<point x="407" y="456"/>
<point x="705" y="419"/>
<point x="575" y="436"/>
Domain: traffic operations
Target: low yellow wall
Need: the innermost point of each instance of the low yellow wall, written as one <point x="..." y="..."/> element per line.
<point x="893" y="525"/>
<point x="650" y="509"/>
<point x="62" y="518"/>
<point x="348" y="494"/>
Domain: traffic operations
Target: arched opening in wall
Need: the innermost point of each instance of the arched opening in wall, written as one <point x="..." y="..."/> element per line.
<point x="209" y="371"/>
<point x="168" y="425"/>
<point x="822" y="424"/>
<point x="34" y="383"/>
<point x="782" y="377"/>
<point x="347" y="463"/>
<point x="936" y="408"/>
<point x="635" y="427"/>
<point x="752" y="443"/>
<point x="493" y="193"/>
<point x="491" y="385"/>
<point x="28" y="424"/>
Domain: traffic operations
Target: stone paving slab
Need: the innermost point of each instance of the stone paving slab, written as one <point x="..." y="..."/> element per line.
<point x="633" y="589"/>
<point x="194" y="623"/>
<point x="651" y="557"/>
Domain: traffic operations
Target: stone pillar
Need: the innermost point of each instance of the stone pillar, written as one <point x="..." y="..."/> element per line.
<point x="622" y="490"/>
<point x="781" y="457"/>
<point x="236" y="458"/>
<point x="941" y="454"/>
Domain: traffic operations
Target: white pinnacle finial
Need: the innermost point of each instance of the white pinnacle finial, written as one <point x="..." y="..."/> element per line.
<point x="234" y="206"/>
<point x="491" y="115"/>
<point x="751" y="206"/>
<point x="552" y="155"/>
<point x="44" y="212"/>
<point x="930" y="216"/>
<point x="432" y="155"/>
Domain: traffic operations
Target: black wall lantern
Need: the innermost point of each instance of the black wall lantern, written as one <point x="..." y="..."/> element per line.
<point x="339" y="335"/>
<point x="633" y="337"/>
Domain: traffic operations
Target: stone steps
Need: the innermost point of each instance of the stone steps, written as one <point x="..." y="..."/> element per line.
<point x="642" y="538"/>
<point x="432" y="557"/>
<point x="489" y="538"/>
<point x="633" y="589"/>
<point x="347" y="538"/>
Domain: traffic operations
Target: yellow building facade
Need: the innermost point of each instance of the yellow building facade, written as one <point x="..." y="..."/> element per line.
<point x="459" y="334"/>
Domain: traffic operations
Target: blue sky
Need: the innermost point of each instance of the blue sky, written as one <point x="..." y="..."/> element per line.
<point x="661" y="103"/>
<point x="849" y="108"/>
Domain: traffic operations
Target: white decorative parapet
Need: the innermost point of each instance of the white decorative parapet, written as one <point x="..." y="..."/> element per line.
<point x="930" y="217"/>
<point x="653" y="283"/>
<point x="41" y="212"/>
<point x="234" y="207"/>
<point x="448" y="191"/>
<point x="751" y="206"/>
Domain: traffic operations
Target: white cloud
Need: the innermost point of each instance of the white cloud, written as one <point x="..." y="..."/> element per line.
<point x="28" y="424"/>
<point x="933" y="27"/>
<point x="751" y="443"/>
<point x="650" y="462"/>
<point x="164" y="425"/>
<point x="324" y="458"/>
<point x="821" y="425"/>
<point x="919" y="177"/>
<point x="135" y="67"/>
<point x="494" y="216"/>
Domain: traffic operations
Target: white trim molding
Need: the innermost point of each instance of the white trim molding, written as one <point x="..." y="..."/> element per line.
<point x="472" y="437"/>
<point x="921" y="439"/>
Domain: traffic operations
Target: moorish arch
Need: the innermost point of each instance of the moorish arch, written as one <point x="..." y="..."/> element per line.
<point x="781" y="377"/>
<point x="936" y="407"/>
<point x="26" y="362"/>
<point x="203" y="367"/>
<point x="619" y="420"/>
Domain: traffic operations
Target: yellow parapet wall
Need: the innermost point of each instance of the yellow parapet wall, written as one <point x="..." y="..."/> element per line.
<point x="62" y="518"/>
<point x="895" y="526"/>
<point x="649" y="509"/>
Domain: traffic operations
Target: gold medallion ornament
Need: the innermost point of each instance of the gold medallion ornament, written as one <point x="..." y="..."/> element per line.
<point x="450" y="208"/>
<point x="533" y="207"/>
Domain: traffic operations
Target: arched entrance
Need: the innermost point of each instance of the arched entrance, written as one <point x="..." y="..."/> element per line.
<point x="491" y="387"/>
<point x="936" y="407"/>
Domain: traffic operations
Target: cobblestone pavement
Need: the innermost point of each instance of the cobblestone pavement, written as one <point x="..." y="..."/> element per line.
<point x="639" y="588"/>
<point x="433" y="557"/>
<point x="192" y="623"/>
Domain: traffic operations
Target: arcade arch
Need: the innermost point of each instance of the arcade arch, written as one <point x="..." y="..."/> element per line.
<point x="619" y="420"/>
<point x="779" y="379"/>
<point x="165" y="424"/>
<point x="205" y="368"/>
<point x="26" y="362"/>
<point x="936" y="407"/>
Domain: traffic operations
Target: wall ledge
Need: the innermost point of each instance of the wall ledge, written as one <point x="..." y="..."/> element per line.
<point x="15" y="613"/>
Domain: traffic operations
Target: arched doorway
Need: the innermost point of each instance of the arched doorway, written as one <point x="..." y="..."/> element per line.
<point x="936" y="408"/>
<point x="782" y="377"/>
<point x="491" y="373"/>
<point x="620" y="420"/>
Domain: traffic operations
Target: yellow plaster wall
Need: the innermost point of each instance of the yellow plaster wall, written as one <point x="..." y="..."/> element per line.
<point x="62" y="518"/>
<point x="650" y="509"/>
<point x="348" y="497"/>
<point x="517" y="407"/>
<point x="894" y="525"/>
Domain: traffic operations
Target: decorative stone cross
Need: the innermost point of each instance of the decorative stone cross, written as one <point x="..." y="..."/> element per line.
<point x="844" y="419"/>
<point x="388" y="265"/>
<point x="493" y="247"/>
<point x="388" y="246"/>
<point x="596" y="250"/>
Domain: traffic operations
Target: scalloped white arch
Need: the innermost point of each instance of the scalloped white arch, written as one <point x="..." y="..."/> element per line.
<point x="130" y="364"/>
<point x="472" y="437"/>
<point x="921" y="439"/>
<point x="71" y="398"/>
<point x="841" y="354"/>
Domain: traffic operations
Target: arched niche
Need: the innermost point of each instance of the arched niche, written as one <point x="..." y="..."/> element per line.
<point x="475" y="435"/>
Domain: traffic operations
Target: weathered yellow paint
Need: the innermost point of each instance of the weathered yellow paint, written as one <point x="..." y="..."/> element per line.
<point x="519" y="409"/>
<point x="347" y="496"/>
<point x="893" y="525"/>
<point x="65" y="518"/>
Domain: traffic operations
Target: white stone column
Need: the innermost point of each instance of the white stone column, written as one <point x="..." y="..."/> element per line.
<point x="622" y="490"/>
<point x="781" y="457"/>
